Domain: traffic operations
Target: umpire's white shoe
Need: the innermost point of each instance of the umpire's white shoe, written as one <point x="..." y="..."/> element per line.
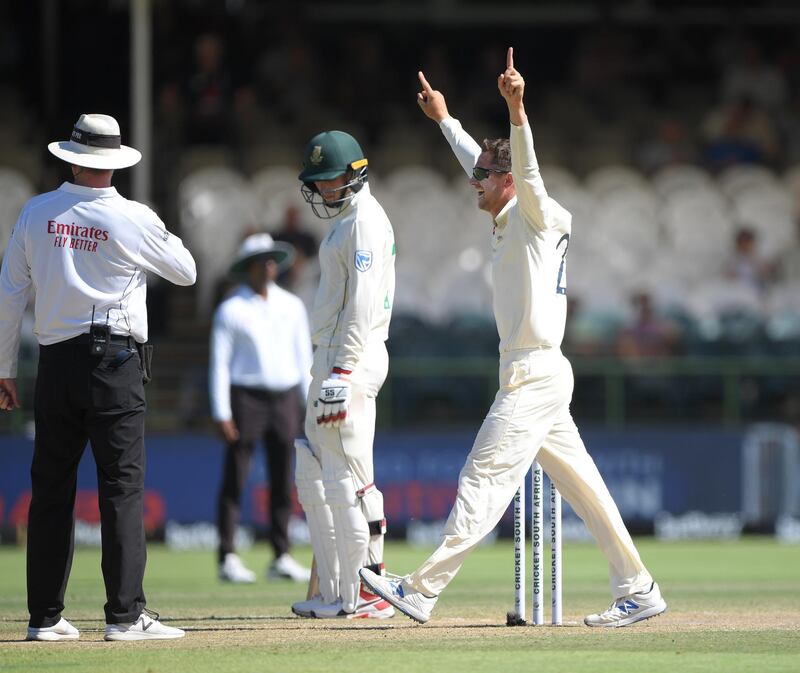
<point x="63" y="630"/>
<point x="285" y="567"/>
<point x="405" y="598"/>
<point x="630" y="609"/>
<point x="233" y="570"/>
<point x="146" y="627"/>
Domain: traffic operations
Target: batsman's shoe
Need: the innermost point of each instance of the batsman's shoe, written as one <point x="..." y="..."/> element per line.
<point x="371" y="606"/>
<point x="630" y="609"/>
<point x="307" y="608"/>
<point x="233" y="570"/>
<point x="147" y="627"/>
<point x="329" y="610"/>
<point x="285" y="567"/>
<point x="63" y="630"/>
<point x="396" y="590"/>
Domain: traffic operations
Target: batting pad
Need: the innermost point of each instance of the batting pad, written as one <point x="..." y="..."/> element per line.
<point x="311" y="495"/>
<point x="372" y="507"/>
<point x="352" y="537"/>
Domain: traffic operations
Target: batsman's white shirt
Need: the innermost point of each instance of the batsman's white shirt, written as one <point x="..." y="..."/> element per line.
<point x="353" y="304"/>
<point x="82" y="249"/>
<point x="530" y="415"/>
<point x="258" y="343"/>
<point x="350" y="323"/>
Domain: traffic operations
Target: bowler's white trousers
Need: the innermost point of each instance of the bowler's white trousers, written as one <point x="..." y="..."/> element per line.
<point x="530" y="419"/>
<point x="345" y="455"/>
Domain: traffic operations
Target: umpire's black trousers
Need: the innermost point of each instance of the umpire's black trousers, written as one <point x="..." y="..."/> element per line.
<point x="82" y="397"/>
<point x="273" y="417"/>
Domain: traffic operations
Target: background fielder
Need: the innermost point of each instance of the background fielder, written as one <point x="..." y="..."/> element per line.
<point x="530" y="416"/>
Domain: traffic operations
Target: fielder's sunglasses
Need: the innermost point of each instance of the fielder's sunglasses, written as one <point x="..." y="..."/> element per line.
<point x="482" y="173"/>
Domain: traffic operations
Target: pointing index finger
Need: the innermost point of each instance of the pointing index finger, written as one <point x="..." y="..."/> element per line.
<point x="426" y="87"/>
<point x="510" y="58"/>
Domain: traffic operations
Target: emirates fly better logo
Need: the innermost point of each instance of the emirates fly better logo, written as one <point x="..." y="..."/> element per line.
<point x="76" y="237"/>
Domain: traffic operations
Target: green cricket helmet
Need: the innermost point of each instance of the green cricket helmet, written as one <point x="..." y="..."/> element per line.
<point x="327" y="156"/>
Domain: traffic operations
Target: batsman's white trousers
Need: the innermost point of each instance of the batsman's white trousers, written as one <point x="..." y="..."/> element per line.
<point x="347" y="467"/>
<point x="530" y="419"/>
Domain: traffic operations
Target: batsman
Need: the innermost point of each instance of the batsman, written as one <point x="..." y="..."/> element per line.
<point x="349" y="326"/>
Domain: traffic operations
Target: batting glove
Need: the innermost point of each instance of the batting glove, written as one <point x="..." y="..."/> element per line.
<point x="334" y="398"/>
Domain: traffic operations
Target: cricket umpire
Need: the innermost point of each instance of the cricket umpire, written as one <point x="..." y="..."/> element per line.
<point x="259" y="374"/>
<point x="83" y="250"/>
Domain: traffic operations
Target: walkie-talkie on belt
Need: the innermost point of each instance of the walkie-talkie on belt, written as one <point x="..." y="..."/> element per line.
<point x="100" y="336"/>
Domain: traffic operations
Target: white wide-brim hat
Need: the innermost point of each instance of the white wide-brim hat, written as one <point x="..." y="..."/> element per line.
<point x="262" y="245"/>
<point x="95" y="143"/>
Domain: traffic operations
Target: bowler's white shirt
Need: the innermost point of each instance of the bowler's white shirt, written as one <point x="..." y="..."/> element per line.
<point x="529" y="247"/>
<point x="353" y="304"/>
<point x="84" y="249"/>
<point x="258" y="343"/>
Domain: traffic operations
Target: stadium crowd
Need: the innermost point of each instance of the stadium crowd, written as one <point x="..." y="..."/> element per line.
<point x="675" y="146"/>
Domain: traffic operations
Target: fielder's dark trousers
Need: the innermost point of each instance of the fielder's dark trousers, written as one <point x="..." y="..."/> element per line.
<point x="79" y="397"/>
<point x="274" y="418"/>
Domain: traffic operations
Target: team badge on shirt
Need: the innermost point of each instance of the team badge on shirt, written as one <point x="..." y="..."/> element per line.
<point x="363" y="260"/>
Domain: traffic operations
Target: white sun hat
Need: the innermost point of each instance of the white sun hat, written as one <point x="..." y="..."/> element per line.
<point x="262" y="245"/>
<point x="95" y="143"/>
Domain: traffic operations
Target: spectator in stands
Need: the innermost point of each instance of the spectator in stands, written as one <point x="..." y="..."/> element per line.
<point x="292" y="232"/>
<point x="745" y="265"/>
<point x="788" y="265"/>
<point x="752" y="77"/>
<point x="602" y="64"/>
<point x="259" y="375"/>
<point x="209" y="93"/>
<point x="670" y="144"/>
<point x="649" y="335"/>
<point x="739" y="131"/>
<point x="305" y="244"/>
<point x="287" y="78"/>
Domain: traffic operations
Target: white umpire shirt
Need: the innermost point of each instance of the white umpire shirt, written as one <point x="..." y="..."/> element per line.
<point x="258" y="343"/>
<point x="84" y="250"/>
<point x="353" y="304"/>
<point x="529" y="247"/>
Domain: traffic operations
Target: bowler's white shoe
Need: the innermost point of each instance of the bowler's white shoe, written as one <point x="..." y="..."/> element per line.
<point x="630" y="609"/>
<point x="405" y="598"/>
<point x="285" y="567"/>
<point x="233" y="570"/>
<point x="146" y="627"/>
<point x="63" y="630"/>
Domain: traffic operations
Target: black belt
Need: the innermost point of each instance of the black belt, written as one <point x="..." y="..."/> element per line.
<point x="86" y="339"/>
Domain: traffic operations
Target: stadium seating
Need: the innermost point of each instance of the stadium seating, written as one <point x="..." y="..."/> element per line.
<point x="15" y="190"/>
<point x="668" y="235"/>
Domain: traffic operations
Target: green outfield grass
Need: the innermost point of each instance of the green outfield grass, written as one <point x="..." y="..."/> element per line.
<point x="733" y="606"/>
